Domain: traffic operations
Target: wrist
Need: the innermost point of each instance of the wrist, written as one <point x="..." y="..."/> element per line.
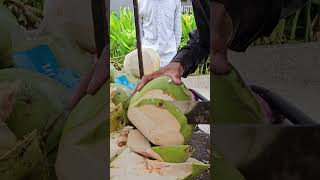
<point x="177" y="66"/>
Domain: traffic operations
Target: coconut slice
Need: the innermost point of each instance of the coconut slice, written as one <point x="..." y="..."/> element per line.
<point x="139" y="144"/>
<point x="130" y="165"/>
<point x="160" y="122"/>
<point x="118" y="141"/>
<point x="174" y="154"/>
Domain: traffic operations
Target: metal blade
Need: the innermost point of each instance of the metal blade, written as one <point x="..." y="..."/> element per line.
<point x="197" y="112"/>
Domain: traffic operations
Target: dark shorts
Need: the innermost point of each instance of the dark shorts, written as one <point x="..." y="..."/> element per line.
<point x="253" y="18"/>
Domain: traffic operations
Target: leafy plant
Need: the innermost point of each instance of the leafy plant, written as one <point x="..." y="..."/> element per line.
<point x="298" y="27"/>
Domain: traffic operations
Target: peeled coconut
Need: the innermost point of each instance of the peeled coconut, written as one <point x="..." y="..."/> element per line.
<point x="160" y="122"/>
<point x="157" y="119"/>
<point x="151" y="62"/>
<point x="162" y="88"/>
<point x="130" y="165"/>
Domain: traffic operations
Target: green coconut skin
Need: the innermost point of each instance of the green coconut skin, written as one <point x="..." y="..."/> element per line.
<point x="185" y="129"/>
<point x="117" y="118"/>
<point x="174" y="154"/>
<point x="178" y="92"/>
<point x="122" y="93"/>
<point x="197" y="170"/>
<point x="233" y="100"/>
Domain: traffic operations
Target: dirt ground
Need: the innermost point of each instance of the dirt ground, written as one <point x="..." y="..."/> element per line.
<point x="201" y="142"/>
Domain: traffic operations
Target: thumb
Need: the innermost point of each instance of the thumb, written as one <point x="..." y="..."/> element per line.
<point x="176" y="79"/>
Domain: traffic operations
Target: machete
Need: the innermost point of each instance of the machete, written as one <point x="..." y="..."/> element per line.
<point x="197" y="112"/>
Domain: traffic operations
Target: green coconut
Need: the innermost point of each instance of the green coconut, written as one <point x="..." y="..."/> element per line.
<point x="174" y="154"/>
<point x="233" y="101"/>
<point x="160" y="122"/>
<point x="130" y="165"/>
<point x="84" y="139"/>
<point x="162" y="88"/>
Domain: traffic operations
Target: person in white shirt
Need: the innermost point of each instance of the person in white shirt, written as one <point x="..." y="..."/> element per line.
<point x="160" y="23"/>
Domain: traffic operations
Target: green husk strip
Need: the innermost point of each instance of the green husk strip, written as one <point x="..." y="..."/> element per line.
<point x="175" y="153"/>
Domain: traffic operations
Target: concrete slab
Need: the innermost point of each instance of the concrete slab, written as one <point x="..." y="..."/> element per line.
<point x="289" y="70"/>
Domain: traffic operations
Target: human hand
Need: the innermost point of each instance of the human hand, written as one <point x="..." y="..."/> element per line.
<point x="174" y="70"/>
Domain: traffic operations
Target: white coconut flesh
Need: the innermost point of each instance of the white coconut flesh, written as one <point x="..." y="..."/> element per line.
<point x="139" y="144"/>
<point x="158" y="125"/>
<point x="118" y="141"/>
<point x="151" y="62"/>
<point x="130" y="165"/>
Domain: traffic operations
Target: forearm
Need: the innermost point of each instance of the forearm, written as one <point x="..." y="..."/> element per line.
<point x="193" y="54"/>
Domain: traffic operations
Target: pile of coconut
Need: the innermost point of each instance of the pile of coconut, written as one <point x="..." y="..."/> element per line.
<point x="149" y="135"/>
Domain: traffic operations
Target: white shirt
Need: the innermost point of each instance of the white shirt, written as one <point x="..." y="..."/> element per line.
<point x="160" y="22"/>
